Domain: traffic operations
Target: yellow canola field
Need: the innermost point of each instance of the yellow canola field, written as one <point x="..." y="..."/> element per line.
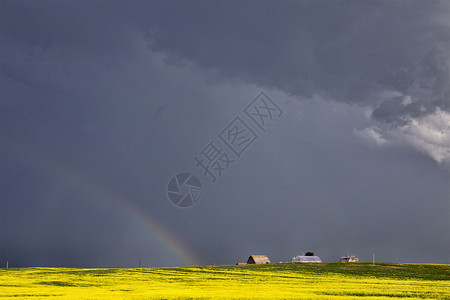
<point x="246" y="282"/>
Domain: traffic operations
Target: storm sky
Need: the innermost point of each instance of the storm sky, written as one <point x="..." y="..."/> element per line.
<point x="102" y="102"/>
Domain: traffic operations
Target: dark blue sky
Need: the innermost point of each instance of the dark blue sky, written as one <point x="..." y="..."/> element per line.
<point x="101" y="103"/>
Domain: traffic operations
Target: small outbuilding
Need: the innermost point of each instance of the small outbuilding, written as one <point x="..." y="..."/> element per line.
<point x="348" y="258"/>
<point x="306" y="259"/>
<point x="258" y="259"/>
<point x="241" y="264"/>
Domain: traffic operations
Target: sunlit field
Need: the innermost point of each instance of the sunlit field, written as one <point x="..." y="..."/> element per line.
<point x="283" y="280"/>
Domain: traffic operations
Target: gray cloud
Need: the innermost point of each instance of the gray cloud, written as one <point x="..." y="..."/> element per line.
<point x="346" y="50"/>
<point x="103" y="102"/>
<point x="427" y="88"/>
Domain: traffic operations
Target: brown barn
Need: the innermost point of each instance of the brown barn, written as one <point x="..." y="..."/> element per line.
<point x="258" y="259"/>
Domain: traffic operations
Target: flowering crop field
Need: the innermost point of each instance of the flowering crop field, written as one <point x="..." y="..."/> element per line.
<point x="280" y="280"/>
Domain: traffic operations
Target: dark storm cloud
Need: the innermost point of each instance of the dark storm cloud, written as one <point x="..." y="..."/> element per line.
<point x="348" y="51"/>
<point x="427" y="87"/>
<point x="345" y="50"/>
<point x="121" y="95"/>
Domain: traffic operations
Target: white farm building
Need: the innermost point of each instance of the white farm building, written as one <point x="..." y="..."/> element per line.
<point x="306" y="259"/>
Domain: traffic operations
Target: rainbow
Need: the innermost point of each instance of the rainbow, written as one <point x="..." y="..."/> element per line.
<point x="92" y="187"/>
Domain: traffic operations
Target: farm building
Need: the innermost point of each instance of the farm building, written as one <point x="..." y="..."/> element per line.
<point x="348" y="258"/>
<point x="241" y="264"/>
<point x="258" y="259"/>
<point x="306" y="259"/>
